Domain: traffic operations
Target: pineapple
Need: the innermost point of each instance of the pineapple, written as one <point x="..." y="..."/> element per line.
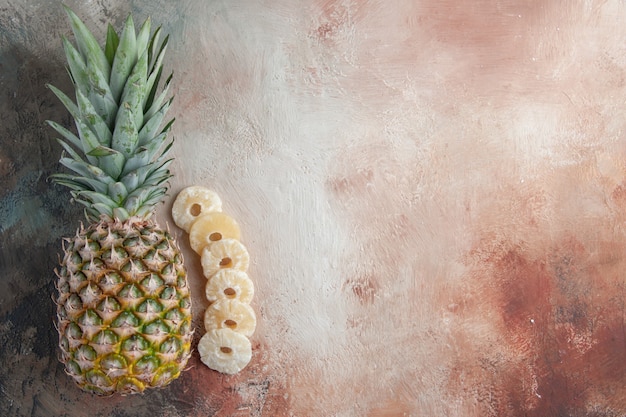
<point x="230" y="284"/>
<point x="224" y="254"/>
<point x="192" y="202"/>
<point x="123" y="304"/>
<point x="212" y="227"/>
<point x="232" y="314"/>
<point x="225" y="350"/>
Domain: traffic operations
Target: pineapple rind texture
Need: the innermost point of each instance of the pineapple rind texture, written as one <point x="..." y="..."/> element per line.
<point x="124" y="323"/>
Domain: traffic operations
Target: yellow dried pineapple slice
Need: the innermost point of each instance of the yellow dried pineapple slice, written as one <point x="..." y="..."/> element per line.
<point x="193" y="202"/>
<point x="225" y="351"/>
<point x="230" y="314"/>
<point x="230" y="284"/>
<point x="210" y="228"/>
<point x="224" y="254"/>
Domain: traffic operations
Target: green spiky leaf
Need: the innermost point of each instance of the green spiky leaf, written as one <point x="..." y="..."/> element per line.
<point x="87" y="43"/>
<point x="125" y="58"/>
<point x="118" y="156"/>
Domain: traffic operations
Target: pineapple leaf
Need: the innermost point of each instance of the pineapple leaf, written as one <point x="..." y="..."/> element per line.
<point x="125" y="133"/>
<point x="140" y="159"/>
<point x="156" y="69"/>
<point x="87" y="43"/>
<point x="89" y="140"/>
<point x="73" y="154"/>
<point x="132" y="204"/>
<point x="135" y="89"/>
<point x="152" y="47"/>
<point x="153" y="199"/>
<point x="143" y="38"/>
<point x="95" y="210"/>
<point x="72" y="138"/>
<point x="120" y="213"/>
<point x="111" y="161"/>
<point x="155" y="105"/>
<point x="151" y="87"/>
<point x="130" y="181"/>
<point x="111" y="44"/>
<point x="80" y="183"/>
<point x="93" y="119"/>
<point x="86" y="170"/>
<point x="145" y="154"/>
<point x="67" y="102"/>
<point x="96" y="197"/>
<point x="100" y="94"/>
<point x="117" y="192"/>
<point x="77" y="66"/>
<point x="124" y="60"/>
<point x="151" y="127"/>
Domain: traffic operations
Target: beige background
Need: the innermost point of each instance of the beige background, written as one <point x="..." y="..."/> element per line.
<point x="432" y="193"/>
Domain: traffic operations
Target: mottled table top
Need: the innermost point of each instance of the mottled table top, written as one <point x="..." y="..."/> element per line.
<point x="432" y="194"/>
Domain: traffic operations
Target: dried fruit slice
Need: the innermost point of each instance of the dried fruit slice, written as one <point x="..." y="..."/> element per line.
<point x="210" y="228"/>
<point x="230" y="284"/>
<point x="193" y="202"/>
<point x="224" y="254"/>
<point x="225" y="351"/>
<point x="230" y="314"/>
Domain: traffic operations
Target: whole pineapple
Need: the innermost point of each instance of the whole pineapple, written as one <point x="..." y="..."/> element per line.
<point x="123" y="306"/>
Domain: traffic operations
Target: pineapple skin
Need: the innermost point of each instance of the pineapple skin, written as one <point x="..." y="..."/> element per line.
<point x="123" y="307"/>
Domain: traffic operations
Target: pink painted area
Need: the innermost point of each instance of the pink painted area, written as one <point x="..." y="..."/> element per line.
<point x="432" y="193"/>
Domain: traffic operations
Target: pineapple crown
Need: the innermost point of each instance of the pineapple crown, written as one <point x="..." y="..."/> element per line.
<point x="118" y="159"/>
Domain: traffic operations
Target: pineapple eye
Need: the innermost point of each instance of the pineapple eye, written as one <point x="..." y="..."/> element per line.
<point x="147" y="364"/>
<point x="113" y="362"/>
<point x="90" y="318"/>
<point x="85" y="352"/>
<point x="97" y="378"/>
<point x="150" y="306"/>
<point x="126" y="319"/>
<point x="156" y="327"/>
<point x="73" y="331"/>
<point x="135" y="343"/>
<point x="171" y="345"/>
<point x="108" y="305"/>
<point x="106" y="337"/>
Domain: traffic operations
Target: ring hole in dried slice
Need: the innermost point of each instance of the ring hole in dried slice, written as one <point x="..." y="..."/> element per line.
<point x="230" y="323"/>
<point x="215" y="236"/>
<point x="226" y="262"/>
<point x="229" y="292"/>
<point x="195" y="209"/>
<point x="226" y="349"/>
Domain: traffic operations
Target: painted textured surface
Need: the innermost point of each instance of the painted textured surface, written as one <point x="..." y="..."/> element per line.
<point x="432" y="195"/>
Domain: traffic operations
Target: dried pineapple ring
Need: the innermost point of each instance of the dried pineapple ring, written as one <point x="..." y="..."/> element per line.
<point x="210" y="228"/>
<point x="230" y="284"/>
<point x="193" y="202"/>
<point x="224" y="254"/>
<point x="225" y="351"/>
<point x="230" y="314"/>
